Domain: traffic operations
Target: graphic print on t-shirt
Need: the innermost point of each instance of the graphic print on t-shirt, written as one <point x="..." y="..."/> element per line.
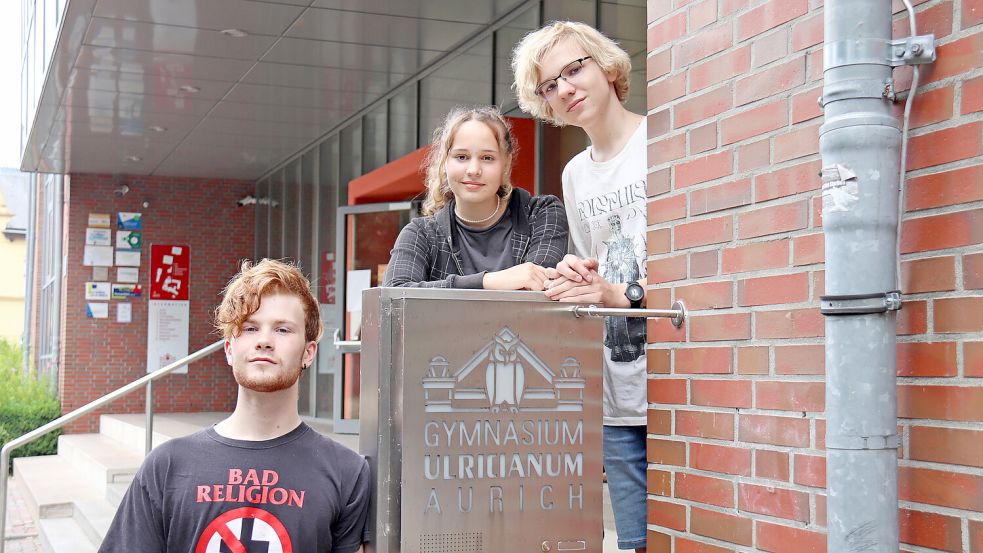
<point x="245" y="530"/>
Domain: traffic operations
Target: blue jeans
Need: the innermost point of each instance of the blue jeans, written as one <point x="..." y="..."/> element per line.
<point x="625" y="463"/>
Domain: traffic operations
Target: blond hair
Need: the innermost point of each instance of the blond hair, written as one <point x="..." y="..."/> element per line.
<point x="243" y="294"/>
<point x="529" y="52"/>
<point x="438" y="188"/>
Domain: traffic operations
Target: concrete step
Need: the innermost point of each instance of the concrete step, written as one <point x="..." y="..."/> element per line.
<point x="94" y="518"/>
<point x="129" y="429"/>
<point x="115" y="493"/>
<point x="101" y="459"/>
<point x="64" y="535"/>
<point x="51" y="483"/>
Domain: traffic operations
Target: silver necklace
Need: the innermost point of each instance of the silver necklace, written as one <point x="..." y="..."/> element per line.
<point x="478" y="222"/>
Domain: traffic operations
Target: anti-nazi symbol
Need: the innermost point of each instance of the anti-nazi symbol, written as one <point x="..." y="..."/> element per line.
<point x="245" y="530"/>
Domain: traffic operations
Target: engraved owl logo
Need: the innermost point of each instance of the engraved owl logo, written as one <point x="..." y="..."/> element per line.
<point x="505" y="377"/>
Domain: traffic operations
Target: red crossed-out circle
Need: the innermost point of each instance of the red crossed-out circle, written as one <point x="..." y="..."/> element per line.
<point x="220" y="526"/>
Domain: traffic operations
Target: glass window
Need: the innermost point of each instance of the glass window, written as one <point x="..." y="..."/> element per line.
<point x="327" y="194"/>
<point x="276" y="215"/>
<point x="291" y="211"/>
<point x="464" y="80"/>
<point x="350" y="160"/>
<point x="623" y="21"/>
<point x="262" y="219"/>
<point x="402" y="123"/>
<point x="374" y="139"/>
<point x="308" y="212"/>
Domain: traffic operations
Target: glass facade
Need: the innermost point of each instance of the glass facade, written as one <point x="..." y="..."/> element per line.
<point x="40" y="20"/>
<point x="48" y="328"/>
<point x="298" y="202"/>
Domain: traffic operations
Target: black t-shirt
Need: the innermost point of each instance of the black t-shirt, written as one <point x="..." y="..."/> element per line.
<point x="488" y="249"/>
<point x="204" y="493"/>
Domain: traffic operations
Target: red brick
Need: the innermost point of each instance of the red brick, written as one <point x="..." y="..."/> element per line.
<point x="727" y="7"/>
<point x="820" y="434"/>
<point x="665" y="90"/>
<point x="805" y="105"/>
<point x="756" y="256"/>
<point x="932" y="274"/>
<point x="930" y="107"/>
<point x="773" y="219"/>
<point x="780" y="431"/>
<point x="702" y="107"/>
<point x="930" y="530"/>
<point x="943" y="488"/>
<point x="944" y="146"/>
<point x="936" y="20"/>
<point x="953" y="187"/>
<point x="719" y="69"/>
<point x="657" y="361"/>
<point x="659" y="421"/>
<point x="797" y="143"/>
<point x="667" y="269"/>
<point x="800" y="359"/>
<point x="926" y="359"/>
<point x="973" y="271"/>
<point x="704" y="169"/>
<point x="790" y="396"/>
<point x="703" y="139"/>
<point x="667" y="31"/>
<point x="659" y="482"/>
<point x="773" y="80"/>
<point x="658" y="182"/>
<point x="769" y="290"/>
<point x="976" y="536"/>
<point x="658" y="9"/>
<point x="658" y="542"/>
<point x="814" y="65"/>
<point x="776" y="502"/>
<point x="791" y="323"/>
<point x="666" y="149"/>
<point x="667" y="515"/>
<point x="704" y="489"/>
<point x="949" y="403"/>
<point x="769" y="15"/>
<point x="773" y="465"/>
<point x="787" y="181"/>
<point x="704" y="360"/>
<point x="720" y="196"/>
<point x="662" y="330"/>
<point x="810" y="470"/>
<point x="658" y="124"/>
<point x="807" y="33"/>
<point x="667" y="209"/>
<point x="949" y="230"/>
<point x="754" y="122"/>
<point x="705" y="424"/>
<point x="753" y="156"/>
<point x="972" y="15"/>
<point x="703" y="264"/>
<point x="721" y="526"/>
<point x="953" y="446"/>
<point x="963" y="314"/>
<point x="704" y="232"/>
<point x="720" y="458"/>
<point x="785" y="539"/>
<point x="706" y="295"/>
<point x="659" y="241"/>
<point x="752" y="360"/>
<point x="972" y="96"/>
<point x="770" y="47"/>
<point x="667" y="390"/>
<point x="721" y="393"/>
<point x="684" y="545"/>
<point x="973" y="359"/>
<point x="808" y="249"/>
<point x="658" y="65"/>
<point x="728" y="326"/>
<point x="704" y="44"/>
<point x="666" y="452"/>
<point x="913" y="318"/>
<point x="702" y="14"/>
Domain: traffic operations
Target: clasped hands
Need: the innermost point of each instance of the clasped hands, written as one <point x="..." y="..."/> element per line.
<point x="576" y="279"/>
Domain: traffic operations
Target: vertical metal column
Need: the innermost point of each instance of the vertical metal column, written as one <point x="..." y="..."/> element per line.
<point x="860" y="144"/>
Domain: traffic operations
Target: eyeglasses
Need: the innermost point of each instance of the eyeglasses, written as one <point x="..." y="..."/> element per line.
<point x="547" y="88"/>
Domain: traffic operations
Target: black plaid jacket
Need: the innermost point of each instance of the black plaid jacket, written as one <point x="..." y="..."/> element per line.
<point x="425" y="254"/>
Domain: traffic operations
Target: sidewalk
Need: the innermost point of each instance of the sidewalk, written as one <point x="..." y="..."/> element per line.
<point x="21" y="534"/>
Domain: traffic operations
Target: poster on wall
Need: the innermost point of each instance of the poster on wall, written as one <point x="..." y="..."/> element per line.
<point x="127" y="274"/>
<point x="124" y="312"/>
<point x="126" y="258"/>
<point x="121" y="290"/>
<point x="99" y="220"/>
<point x="97" y="256"/>
<point x="129" y="240"/>
<point x="98" y="237"/>
<point x="169" y="272"/>
<point x="97" y="310"/>
<point x="96" y="291"/>
<point x="167" y="333"/>
<point x="129" y="221"/>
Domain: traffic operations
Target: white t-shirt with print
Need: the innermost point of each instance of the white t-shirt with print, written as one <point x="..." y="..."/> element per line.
<point x="606" y="210"/>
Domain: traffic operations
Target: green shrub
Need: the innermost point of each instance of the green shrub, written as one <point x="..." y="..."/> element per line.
<point x="25" y="404"/>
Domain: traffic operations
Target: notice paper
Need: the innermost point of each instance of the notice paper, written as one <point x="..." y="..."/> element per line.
<point x="97" y="310"/>
<point x="124" y="312"/>
<point x="128" y="274"/>
<point x="101" y="256"/>
<point x="97" y="291"/>
<point x="98" y="237"/>
<point x="127" y="259"/>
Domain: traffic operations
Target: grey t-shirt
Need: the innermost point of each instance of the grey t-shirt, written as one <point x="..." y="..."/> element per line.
<point x="487" y="249"/>
<point x="299" y="492"/>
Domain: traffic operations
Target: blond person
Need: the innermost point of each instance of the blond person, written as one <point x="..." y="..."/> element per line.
<point x="477" y="230"/>
<point x="568" y="73"/>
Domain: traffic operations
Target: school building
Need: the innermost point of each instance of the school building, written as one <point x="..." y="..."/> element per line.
<point x="242" y="129"/>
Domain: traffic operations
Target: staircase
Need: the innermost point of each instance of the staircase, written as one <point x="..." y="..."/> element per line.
<point x="73" y="495"/>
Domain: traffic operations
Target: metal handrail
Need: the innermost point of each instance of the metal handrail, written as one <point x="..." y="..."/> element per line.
<point x="63" y="420"/>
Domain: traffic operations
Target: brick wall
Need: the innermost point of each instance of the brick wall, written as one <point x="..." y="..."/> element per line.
<point x="736" y="420"/>
<point x="100" y="355"/>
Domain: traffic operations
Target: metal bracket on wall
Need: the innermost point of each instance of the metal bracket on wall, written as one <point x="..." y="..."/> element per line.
<point x="862" y="442"/>
<point x="860" y="304"/>
<point x="912" y="50"/>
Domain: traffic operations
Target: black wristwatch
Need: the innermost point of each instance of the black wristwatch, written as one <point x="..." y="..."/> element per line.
<point x="635" y="294"/>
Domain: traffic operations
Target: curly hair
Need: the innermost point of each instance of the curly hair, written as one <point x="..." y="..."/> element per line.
<point x="242" y="296"/>
<point x="529" y="52"/>
<point x="438" y="189"/>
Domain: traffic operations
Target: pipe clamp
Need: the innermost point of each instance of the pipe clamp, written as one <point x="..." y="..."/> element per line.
<point x="872" y="51"/>
<point x="863" y="442"/>
<point x="860" y="304"/>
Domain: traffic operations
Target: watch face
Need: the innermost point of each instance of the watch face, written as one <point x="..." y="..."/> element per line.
<point x="635" y="292"/>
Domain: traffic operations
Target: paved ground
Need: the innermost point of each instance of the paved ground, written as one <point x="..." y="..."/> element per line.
<point x="21" y="534"/>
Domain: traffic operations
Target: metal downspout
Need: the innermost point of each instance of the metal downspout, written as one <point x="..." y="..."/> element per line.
<point x="860" y="143"/>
